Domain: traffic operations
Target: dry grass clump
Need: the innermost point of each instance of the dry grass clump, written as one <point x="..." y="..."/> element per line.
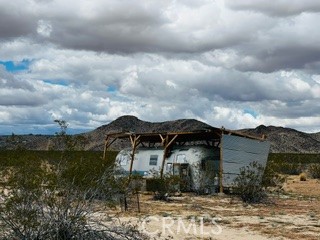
<point x="303" y="177"/>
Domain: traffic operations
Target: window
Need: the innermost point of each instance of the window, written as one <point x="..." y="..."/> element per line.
<point x="181" y="158"/>
<point x="124" y="160"/>
<point x="169" y="167"/>
<point x="207" y="165"/>
<point x="153" y="160"/>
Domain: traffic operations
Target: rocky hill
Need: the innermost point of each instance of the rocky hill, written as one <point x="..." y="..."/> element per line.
<point x="133" y="124"/>
<point x="282" y="139"/>
<point x="288" y="139"/>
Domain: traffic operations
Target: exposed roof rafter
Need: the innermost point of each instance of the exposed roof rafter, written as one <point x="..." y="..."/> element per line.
<point x="210" y="134"/>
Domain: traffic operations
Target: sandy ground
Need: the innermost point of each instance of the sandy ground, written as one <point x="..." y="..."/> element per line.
<point x="293" y="214"/>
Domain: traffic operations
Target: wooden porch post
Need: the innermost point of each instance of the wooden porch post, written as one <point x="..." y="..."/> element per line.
<point x="107" y="144"/>
<point x="221" y="165"/>
<point x="134" y="144"/>
<point x="167" y="144"/>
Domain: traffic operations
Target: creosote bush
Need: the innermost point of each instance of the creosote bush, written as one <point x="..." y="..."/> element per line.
<point x="163" y="187"/>
<point x="39" y="200"/>
<point x="40" y="204"/>
<point x="314" y="170"/>
<point x="248" y="184"/>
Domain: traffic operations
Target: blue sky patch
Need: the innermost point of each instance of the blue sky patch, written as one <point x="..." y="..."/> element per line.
<point x="111" y="89"/>
<point x="251" y="112"/>
<point x="12" y="66"/>
<point x="60" y="82"/>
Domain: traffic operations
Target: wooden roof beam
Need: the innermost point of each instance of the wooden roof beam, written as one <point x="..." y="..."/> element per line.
<point x="167" y="144"/>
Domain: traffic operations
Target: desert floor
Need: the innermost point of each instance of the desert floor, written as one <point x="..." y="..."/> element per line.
<point x="293" y="213"/>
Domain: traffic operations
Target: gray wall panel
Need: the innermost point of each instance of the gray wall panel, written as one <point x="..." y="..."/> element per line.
<point x="239" y="152"/>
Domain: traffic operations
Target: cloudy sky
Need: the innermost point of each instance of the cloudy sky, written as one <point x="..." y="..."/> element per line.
<point x="231" y="63"/>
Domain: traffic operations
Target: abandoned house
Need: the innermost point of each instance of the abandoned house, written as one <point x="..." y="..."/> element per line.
<point x="207" y="159"/>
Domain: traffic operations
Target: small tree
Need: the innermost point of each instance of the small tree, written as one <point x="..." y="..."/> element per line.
<point x="248" y="184"/>
<point x="66" y="141"/>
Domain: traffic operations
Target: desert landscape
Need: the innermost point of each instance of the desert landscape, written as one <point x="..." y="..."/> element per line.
<point x="291" y="213"/>
<point x="183" y="119"/>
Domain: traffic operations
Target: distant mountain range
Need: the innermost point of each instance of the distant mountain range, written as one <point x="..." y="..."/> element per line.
<point x="288" y="139"/>
<point x="281" y="139"/>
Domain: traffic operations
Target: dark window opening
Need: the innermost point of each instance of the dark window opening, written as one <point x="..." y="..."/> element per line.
<point x="153" y="160"/>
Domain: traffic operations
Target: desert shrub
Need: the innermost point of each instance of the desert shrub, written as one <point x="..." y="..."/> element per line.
<point x="275" y="171"/>
<point x="290" y="168"/>
<point x="281" y="164"/>
<point x="248" y="184"/>
<point x="163" y="187"/>
<point x="314" y="170"/>
<point x="91" y="159"/>
<point x="85" y="173"/>
<point x="273" y="179"/>
<point x="303" y="177"/>
<point x="302" y="158"/>
<point x="290" y="163"/>
<point x="39" y="203"/>
<point x="83" y="169"/>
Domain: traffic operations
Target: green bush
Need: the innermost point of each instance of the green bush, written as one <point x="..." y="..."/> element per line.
<point x="286" y="168"/>
<point x="163" y="187"/>
<point x="290" y="163"/>
<point x="302" y="158"/>
<point x="81" y="168"/>
<point x="248" y="184"/>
